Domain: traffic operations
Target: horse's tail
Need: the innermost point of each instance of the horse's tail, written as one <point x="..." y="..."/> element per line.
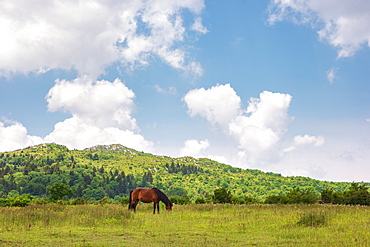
<point x="130" y="200"/>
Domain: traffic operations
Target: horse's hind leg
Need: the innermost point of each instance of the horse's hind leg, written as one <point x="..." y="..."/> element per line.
<point x="132" y="206"/>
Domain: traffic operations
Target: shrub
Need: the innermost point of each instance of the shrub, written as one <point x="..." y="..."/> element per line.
<point x="327" y="195"/>
<point x="236" y="200"/>
<point x="357" y="194"/>
<point x="313" y="219"/>
<point x="59" y="190"/>
<point x="250" y="200"/>
<point x="79" y="201"/>
<point x="40" y="201"/>
<point x="296" y="195"/>
<point x="104" y="200"/>
<point x="276" y="199"/>
<point x="361" y="197"/>
<point x="124" y="200"/>
<point x="200" y="200"/>
<point x="222" y="195"/>
<point x="338" y="198"/>
<point x="180" y="200"/>
<point x="16" y="200"/>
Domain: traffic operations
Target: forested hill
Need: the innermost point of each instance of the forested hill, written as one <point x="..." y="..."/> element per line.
<point x="113" y="170"/>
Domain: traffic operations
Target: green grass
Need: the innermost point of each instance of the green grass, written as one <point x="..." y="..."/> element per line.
<point x="187" y="225"/>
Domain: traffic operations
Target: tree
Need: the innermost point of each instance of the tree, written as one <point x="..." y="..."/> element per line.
<point x="327" y="195"/>
<point x="357" y="194"/>
<point x="59" y="190"/>
<point x="222" y="195"/>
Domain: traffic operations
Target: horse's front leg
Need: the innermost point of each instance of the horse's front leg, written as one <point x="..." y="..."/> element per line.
<point x="154" y="204"/>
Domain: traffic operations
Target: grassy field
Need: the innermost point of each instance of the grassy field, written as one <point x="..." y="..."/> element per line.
<point x="187" y="225"/>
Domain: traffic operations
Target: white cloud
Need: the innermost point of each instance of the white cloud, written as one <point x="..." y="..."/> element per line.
<point x="257" y="130"/>
<point x="169" y="90"/>
<point x="331" y="74"/>
<point x="299" y="140"/>
<point x="260" y="130"/>
<point x="90" y="35"/>
<point x="219" y="104"/>
<point x="103" y="103"/>
<point x="198" y="26"/>
<point x="14" y="136"/>
<point x="197" y="149"/>
<point x="194" y="148"/>
<point x="75" y="132"/>
<point x="101" y="113"/>
<point x="317" y="141"/>
<point x="344" y="24"/>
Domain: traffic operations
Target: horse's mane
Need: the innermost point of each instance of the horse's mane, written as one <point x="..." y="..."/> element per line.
<point x="162" y="196"/>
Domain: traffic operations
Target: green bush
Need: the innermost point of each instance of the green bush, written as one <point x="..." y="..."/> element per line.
<point x="59" y="190"/>
<point x="276" y="199"/>
<point x="296" y="195"/>
<point x="16" y="200"/>
<point x="313" y="219"/>
<point x="104" y="200"/>
<point x="200" y="200"/>
<point x="180" y="200"/>
<point x="357" y="194"/>
<point x="250" y="200"/>
<point x="79" y="201"/>
<point x="222" y="195"/>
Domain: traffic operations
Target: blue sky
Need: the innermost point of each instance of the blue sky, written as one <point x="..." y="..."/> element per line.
<point x="279" y="86"/>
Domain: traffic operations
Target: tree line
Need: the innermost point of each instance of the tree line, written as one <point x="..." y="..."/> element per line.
<point x="357" y="194"/>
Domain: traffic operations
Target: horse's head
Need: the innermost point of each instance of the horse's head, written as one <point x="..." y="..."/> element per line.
<point x="169" y="207"/>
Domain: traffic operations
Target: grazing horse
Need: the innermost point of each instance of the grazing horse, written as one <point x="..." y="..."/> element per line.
<point x="147" y="196"/>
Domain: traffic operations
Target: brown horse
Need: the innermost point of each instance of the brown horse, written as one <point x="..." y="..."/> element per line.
<point x="147" y="196"/>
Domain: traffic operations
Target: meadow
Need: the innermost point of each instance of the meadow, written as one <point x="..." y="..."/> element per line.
<point x="186" y="225"/>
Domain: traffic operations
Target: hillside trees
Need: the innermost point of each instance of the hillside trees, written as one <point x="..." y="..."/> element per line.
<point x="114" y="170"/>
<point x="356" y="194"/>
<point x="296" y="195"/>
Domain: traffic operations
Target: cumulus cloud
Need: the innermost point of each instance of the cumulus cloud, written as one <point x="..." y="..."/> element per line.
<point x="77" y="133"/>
<point x="317" y="141"/>
<point x="344" y="24"/>
<point x="197" y="149"/>
<point x="101" y="113"/>
<point x="258" y="129"/>
<point x="299" y="140"/>
<point x="194" y="148"/>
<point x="103" y="103"/>
<point x="91" y="35"/>
<point x="13" y="135"/>
<point x="261" y="127"/>
<point x="219" y="104"/>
